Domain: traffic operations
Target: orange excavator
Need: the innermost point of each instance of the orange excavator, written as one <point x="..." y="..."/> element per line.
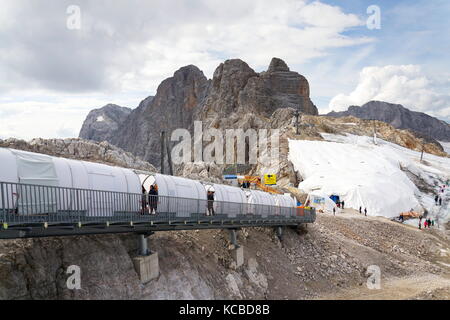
<point x="257" y="181"/>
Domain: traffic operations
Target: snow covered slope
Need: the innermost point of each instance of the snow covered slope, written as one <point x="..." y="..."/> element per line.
<point x="368" y="175"/>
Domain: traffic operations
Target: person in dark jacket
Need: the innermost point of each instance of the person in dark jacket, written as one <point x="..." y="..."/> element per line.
<point x="210" y="203"/>
<point x="365" y="212"/>
<point x="360" y="210"/>
<point x="343" y="204"/>
<point x="144" y="200"/>
<point x="153" y="195"/>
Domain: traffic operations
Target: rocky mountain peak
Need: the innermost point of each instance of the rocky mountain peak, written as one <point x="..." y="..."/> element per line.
<point x="231" y="76"/>
<point x="100" y="123"/>
<point x="172" y="107"/>
<point x="278" y="65"/>
<point x="236" y="92"/>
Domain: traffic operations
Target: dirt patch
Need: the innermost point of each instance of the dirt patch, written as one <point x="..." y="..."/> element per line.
<point x="328" y="259"/>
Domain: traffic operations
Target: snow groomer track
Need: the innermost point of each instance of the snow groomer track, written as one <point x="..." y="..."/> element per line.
<point x="44" y="196"/>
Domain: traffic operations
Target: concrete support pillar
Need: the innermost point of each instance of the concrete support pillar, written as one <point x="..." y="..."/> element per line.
<point x="233" y="238"/>
<point x="146" y="263"/>
<point x="237" y="253"/>
<point x="279" y="233"/>
<point x="238" y="256"/>
<point x="147" y="267"/>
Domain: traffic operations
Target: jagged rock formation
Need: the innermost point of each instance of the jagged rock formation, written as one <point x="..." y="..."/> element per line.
<point x="100" y="124"/>
<point x="79" y="149"/>
<point x="237" y="90"/>
<point x="236" y="97"/>
<point x="171" y="108"/>
<point x="276" y="88"/>
<point x="399" y="117"/>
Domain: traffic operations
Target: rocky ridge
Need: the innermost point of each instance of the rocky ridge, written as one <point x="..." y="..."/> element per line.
<point x="235" y="95"/>
<point x="399" y="117"/>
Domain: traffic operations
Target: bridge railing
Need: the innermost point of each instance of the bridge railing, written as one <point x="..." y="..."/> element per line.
<point x="28" y="204"/>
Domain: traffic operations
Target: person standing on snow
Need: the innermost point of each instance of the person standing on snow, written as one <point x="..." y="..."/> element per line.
<point x="343" y="204"/>
<point x="365" y="212"/>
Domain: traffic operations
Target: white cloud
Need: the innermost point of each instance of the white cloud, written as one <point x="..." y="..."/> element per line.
<point x="131" y="46"/>
<point x="135" y="44"/>
<point x="403" y="84"/>
<point x="49" y="116"/>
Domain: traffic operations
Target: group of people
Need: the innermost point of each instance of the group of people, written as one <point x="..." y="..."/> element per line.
<point x="150" y="199"/>
<point x="340" y="204"/>
<point x="365" y="211"/>
<point x="438" y="200"/>
<point x="428" y="223"/>
<point x="245" y="185"/>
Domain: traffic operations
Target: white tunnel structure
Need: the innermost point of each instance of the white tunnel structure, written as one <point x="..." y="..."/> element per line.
<point x="190" y="194"/>
<point x="37" y="169"/>
<point x="86" y="180"/>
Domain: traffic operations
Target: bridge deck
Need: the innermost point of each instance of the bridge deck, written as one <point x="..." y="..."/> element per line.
<point x="40" y="211"/>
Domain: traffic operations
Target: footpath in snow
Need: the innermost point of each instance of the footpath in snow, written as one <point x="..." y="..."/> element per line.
<point x="369" y="176"/>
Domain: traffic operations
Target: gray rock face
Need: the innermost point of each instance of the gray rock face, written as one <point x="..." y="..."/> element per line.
<point x="229" y="79"/>
<point x="171" y="108"/>
<point x="399" y="117"/>
<point x="100" y="124"/>
<point x="278" y="65"/>
<point x="277" y="88"/>
<point x="236" y="92"/>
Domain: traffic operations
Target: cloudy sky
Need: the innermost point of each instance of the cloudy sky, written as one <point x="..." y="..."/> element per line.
<point x="60" y="59"/>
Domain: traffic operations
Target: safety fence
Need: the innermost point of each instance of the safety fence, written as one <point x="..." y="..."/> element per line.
<point x="23" y="204"/>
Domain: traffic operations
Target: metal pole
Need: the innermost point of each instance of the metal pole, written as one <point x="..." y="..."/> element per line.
<point x="233" y="238"/>
<point x="169" y="156"/>
<point x="421" y="154"/>
<point x="143" y="245"/>
<point x="280" y="233"/>
<point x="3" y="203"/>
<point x="163" y="135"/>
<point x="374" y="132"/>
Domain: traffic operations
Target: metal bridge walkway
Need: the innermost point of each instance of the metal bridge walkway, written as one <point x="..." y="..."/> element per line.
<point x="40" y="211"/>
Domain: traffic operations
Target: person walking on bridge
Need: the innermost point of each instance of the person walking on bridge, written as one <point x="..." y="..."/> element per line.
<point x="153" y="194"/>
<point x="210" y="203"/>
<point x="144" y="200"/>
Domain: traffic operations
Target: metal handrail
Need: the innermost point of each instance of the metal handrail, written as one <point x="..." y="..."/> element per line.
<point x="32" y="203"/>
